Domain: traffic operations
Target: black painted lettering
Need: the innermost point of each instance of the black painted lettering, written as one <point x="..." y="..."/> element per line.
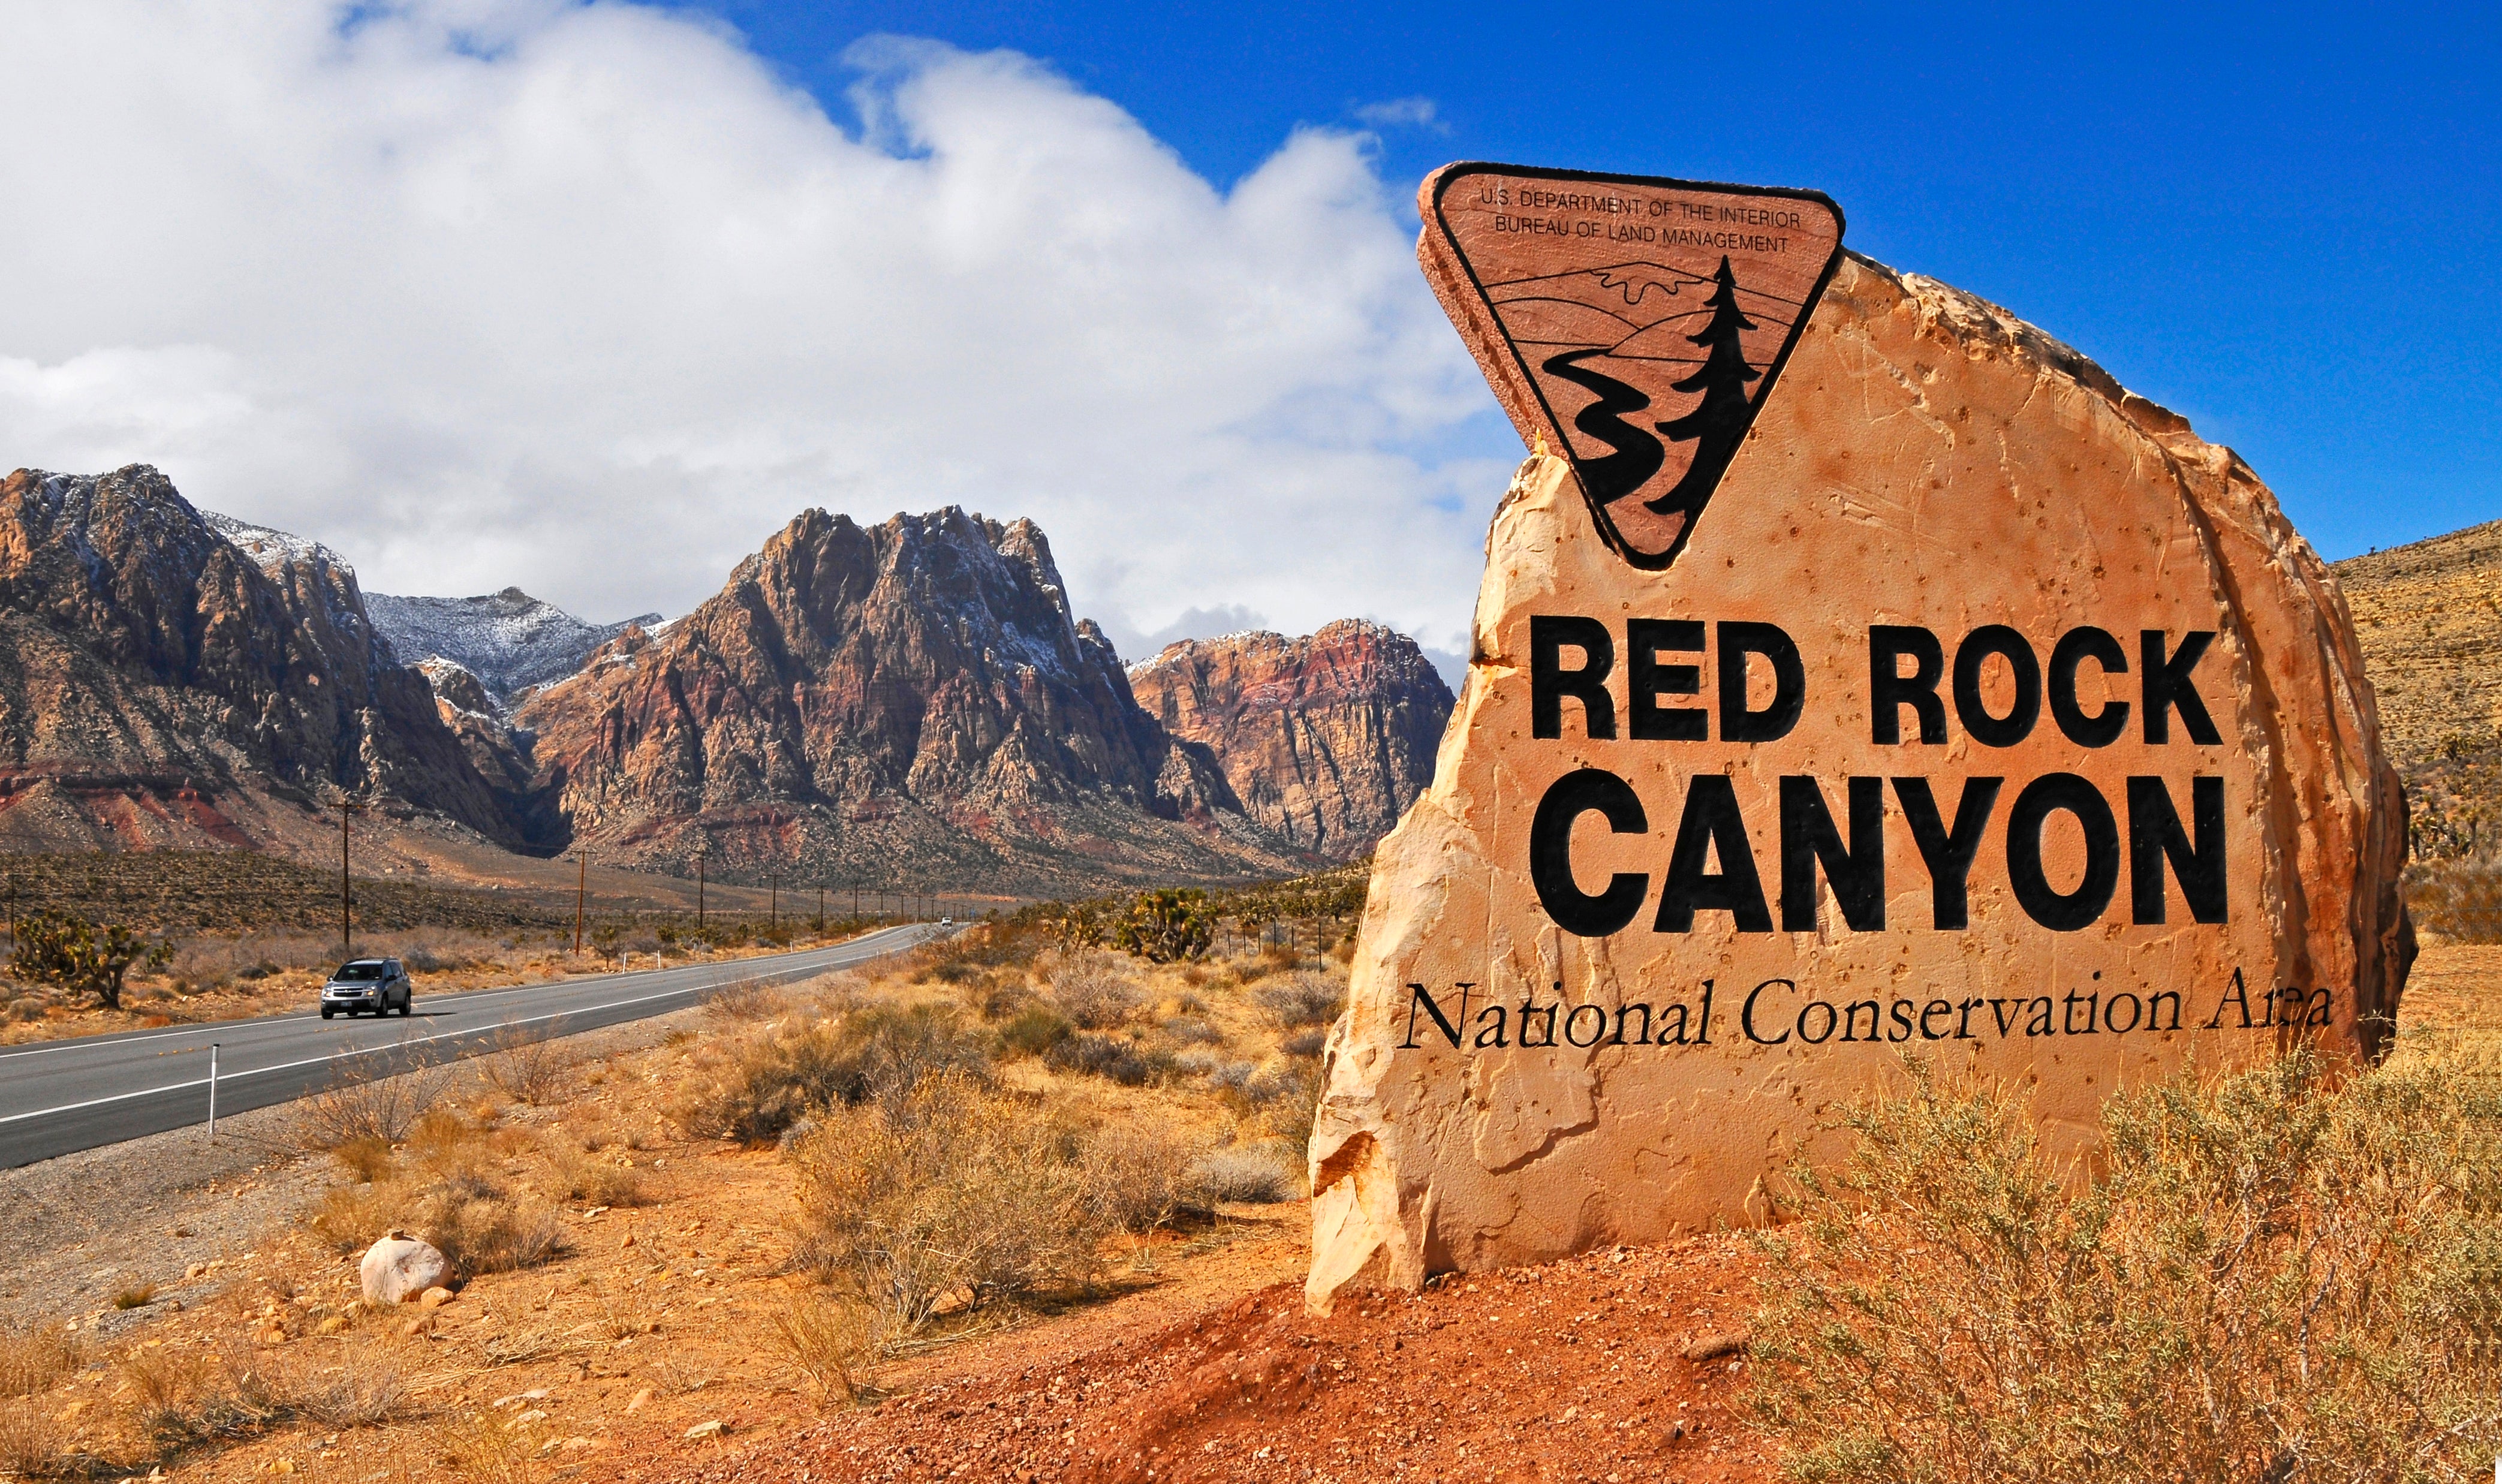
<point x="1646" y="679"/>
<point x="2050" y="793"/>
<point x="1823" y="1032"/>
<point x="2155" y="837"/>
<point x="1933" y="1008"/>
<point x="1532" y="1018"/>
<point x="2110" y="1013"/>
<point x="1889" y="689"/>
<point x="1947" y="852"/>
<point x="1624" y="1011"/>
<point x="1549" y="635"/>
<point x="1900" y="1015"/>
<point x="1851" y="1020"/>
<point x="1746" y="1012"/>
<point x="1550" y="853"/>
<point x="1418" y="1000"/>
<point x="2240" y="997"/>
<point x="1711" y="828"/>
<point x="2005" y="1018"/>
<point x="2026" y="709"/>
<point x="1496" y="1034"/>
<point x="1856" y="871"/>
<point x="1598" y="1031"/>
<point x="1739" y="640"/>
<point x="2167" y="687"/>
<point x="2316" y="1016"/>
<point x="2154" y="1007"/>
<point x="1963" y="1026"/>
<point x="2039" y="1025"/>
<point x="2073" y="649"/>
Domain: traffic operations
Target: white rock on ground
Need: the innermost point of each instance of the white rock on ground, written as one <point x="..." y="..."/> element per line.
<point x="400" y="1268"/>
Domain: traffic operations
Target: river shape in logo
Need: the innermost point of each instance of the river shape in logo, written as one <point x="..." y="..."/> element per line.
<point x="1637" y="322"/>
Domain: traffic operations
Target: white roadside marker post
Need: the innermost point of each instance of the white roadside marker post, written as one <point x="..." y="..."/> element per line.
<point x="213" y="1092"/>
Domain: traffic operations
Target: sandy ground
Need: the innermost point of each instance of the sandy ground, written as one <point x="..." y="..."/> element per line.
<point x="644" y="1353"/>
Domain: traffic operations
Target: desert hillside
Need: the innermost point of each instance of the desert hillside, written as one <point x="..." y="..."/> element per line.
<point x="2429" y="617"/>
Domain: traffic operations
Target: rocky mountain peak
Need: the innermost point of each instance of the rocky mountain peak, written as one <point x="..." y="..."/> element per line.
<point x="1326" y="738"/>
<point x="865" y="701"/>
<point x="508" y="640"/>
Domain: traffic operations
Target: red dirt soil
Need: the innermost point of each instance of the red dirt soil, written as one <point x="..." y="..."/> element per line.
<point x="1617" y="1365"/>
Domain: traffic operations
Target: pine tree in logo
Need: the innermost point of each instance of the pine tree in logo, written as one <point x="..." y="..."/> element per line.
<point x="1717" y="424"/>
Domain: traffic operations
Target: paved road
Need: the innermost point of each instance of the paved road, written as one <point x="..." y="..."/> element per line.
<point x="60" y="1096"/>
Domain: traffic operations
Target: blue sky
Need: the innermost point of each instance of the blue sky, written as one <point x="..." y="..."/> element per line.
<point x="2284" y="222"/>
<point x="592" y="299"/>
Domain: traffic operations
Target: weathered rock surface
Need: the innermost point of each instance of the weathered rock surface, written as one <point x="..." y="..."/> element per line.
<point x="905" y="704"/>
<point x="170" y="678"/>
<point x="1326" y="739"/>
<point x="2430" y="617"/>
<point x="1928" y="463"/>
<point x="400" y="1268"/>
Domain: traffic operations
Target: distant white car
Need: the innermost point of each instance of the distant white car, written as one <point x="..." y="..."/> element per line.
<point x="946" y="921"/>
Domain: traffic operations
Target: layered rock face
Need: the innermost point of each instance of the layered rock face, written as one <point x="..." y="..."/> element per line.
<point x="1986" y="714"/>
<point x="1326" y="739"/>
<point x="910" y="703"/>
<point x="164" y="682"/>
<point x="2431" y="631"/>
<point x="510" y="641"/>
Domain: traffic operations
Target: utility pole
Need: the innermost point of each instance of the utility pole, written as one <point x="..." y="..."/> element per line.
<point x="581" y="888"/>
<point x="774" y="902"/>
<point x="700" y="894"/>
<point x="346" y="935"/>
<point x="820" y="907"/>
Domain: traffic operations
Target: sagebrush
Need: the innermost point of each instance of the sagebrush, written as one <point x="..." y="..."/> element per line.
<point x="2262" y="1283"/>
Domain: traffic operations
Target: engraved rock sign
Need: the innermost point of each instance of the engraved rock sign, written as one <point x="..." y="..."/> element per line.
<point x="1635" y="323"/>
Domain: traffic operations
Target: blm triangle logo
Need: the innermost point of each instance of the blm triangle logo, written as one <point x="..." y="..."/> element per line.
<point x="1635" y="323"/>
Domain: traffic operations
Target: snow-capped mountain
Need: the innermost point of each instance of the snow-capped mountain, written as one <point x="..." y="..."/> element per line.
<point x="510" y="640"/>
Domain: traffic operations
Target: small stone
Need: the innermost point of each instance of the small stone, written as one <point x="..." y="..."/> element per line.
<point x="703" y="1430"/>
<point x="332" y="1324"/>
<point x="1711" y="1347"/>
<point x="421" y="1324"/>
<point x="639" y="1400"/>
<point x="629" y="1240"/>
<point x="524" y="1419"/>
<point x="435" y="1298"/>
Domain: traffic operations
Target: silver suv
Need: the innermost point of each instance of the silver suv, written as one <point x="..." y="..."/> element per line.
<point x="379" y="985"/>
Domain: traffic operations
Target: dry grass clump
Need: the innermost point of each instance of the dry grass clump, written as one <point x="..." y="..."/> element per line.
<point x="359" y="1107"/>
<point x="438" y="1185"/>
<point x="1251" y="1175"/>
<point x="746" y="1002"/>
<point x="2461" y="900"/>
<point x="31" y="1442"/>
<point x="1302" y="997"/>
<point x="1138" y="1177"/>
<point x="951" y="1195"/>
<point x="835" y="1343"/>
<point x="2263" y="1284"/>
<point x="1095" y="990"/>
<point x="528" y="1066"/>
<point x="601" y="1182"/>
<point x="1113" y="1058"/>
<point x="756" y="1087"/>
<point x="33" y="1358"/>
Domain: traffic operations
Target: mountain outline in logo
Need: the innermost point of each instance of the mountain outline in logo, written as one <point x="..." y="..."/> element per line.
<point x="1637" y="322"/>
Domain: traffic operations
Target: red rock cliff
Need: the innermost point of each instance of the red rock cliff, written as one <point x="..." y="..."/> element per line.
<point x="1326" y="739"/>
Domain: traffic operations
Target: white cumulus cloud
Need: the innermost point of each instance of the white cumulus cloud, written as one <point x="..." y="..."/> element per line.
<point x="584" y="297"/>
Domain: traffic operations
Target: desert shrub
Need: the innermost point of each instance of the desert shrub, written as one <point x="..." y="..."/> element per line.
<point x="357" y="1105"/>
<point x="1033" y="1031"/>
<point x="759" y="1086"/>
<point x="1115" y="1059"/>
<point x="2459" y="899"/>
<point x="952" y="1193"/>
<point x="1193" y="1031"/>
<point x="1254" y="1174"/>
<point x="1308" y="1042"/>
<point x="1286" y="1097"/>
<point x="1095" y="990"/>
<point x="136" y="1297"/>
<point x="747" y="1002"/>
<point x="34" y="1358"/>
<point x="528" y="1066"/>
<point x="179" y="1400"/>
<point x="600" y="1182"/>
<point x="2258" y="1285"/>
<point x="1137" y="1175"/>
<point x="1302" y="997"/>
<point x="482" y="1227"/>
<point x="367" y="1158"/>
<point x="834" y="1343"/>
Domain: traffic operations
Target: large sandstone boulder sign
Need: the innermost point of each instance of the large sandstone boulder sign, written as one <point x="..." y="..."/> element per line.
<point x="1984" y="714"/>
